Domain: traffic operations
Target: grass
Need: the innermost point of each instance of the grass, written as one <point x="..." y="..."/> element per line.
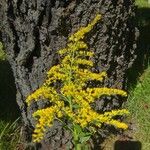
<point x="142" y="3"/>
<point x="139" y="107"/>
<point x="139" y="97"/>
<point x="9" y="135"/>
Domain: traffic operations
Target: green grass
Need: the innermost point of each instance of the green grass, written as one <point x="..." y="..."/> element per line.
<point x="139" y="97"/>
<point x="139" y="107"/>
<point x="142" y="3"/>
<point x="9" y="135"/>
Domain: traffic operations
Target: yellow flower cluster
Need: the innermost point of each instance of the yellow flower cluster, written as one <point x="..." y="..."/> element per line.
<point x="79" y="35"/>
<point x="73" y="98"/>
<point x="87" y="116"/>
<point x="46" y="117"/>
<point x="43" y="93"/>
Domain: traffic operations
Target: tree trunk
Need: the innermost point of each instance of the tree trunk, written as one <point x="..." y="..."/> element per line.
<point x="33" y="31"/>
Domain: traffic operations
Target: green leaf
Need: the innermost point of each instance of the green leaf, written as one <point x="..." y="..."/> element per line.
<point x="78" y="129"/>
<point x="76" y="106"/>
<point x="85" y="138"/>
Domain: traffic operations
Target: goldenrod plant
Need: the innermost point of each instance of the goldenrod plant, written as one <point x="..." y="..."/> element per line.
<point x="73" y="97"/>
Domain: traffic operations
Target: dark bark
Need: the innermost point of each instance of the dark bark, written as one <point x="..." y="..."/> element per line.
<point x="33" y="31"/>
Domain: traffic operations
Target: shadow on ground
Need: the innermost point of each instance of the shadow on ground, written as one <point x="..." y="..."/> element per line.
<point x="8" y="107"/>
<point x="143" y="49"/>
<point x="127" y="145"/>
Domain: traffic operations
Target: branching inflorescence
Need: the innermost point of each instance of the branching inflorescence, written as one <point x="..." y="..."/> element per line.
<point x="73" y="98"/>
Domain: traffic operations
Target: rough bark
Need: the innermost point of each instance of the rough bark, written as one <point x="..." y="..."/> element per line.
<point x="33" y="31"/>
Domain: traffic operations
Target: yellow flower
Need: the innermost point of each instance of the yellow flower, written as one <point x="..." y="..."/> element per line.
<point x="43" y="93"/>
<point x="79" y="35"/>
<point x="118" y="124"/>
<point x="73" y="98"/>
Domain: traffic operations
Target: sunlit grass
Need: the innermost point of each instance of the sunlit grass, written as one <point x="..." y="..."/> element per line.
<point x="142" y="3"/>
<point x="139" y="98"/>
<point x="139" y="106"/>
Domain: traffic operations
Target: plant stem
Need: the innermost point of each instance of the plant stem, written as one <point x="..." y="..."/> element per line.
<point x="77" y="146"/>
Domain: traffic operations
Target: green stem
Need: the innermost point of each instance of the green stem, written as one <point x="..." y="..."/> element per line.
<point x="76" y="139"/>
<point x="77" y="146"/>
